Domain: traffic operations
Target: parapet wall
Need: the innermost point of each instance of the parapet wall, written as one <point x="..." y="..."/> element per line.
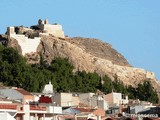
<point x="53" y="29"/>
<point x="28" y="45"/>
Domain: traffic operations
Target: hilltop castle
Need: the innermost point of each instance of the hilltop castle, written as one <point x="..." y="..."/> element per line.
<point x="29" y="38"/>
<point x="43" y="28"/>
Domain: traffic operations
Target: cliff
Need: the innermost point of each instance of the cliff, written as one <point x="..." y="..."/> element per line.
<point x="87" y="57"/>
<point x="90" y="55"/>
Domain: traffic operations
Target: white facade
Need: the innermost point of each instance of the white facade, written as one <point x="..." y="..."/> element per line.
<point x="116" y="99"/>
<point x="66" y="99"/>
<point x="93" y="100"/>
<point x="53" y="29"/>
<point x="48" y="88"/>
<point x="6" y="116"/>
<point x="28" y="45"/>
<point x="85" y="98"/>
<point x="47" y="114"/>
<point x="138" y="108"/>
<point x="54" y="109"/>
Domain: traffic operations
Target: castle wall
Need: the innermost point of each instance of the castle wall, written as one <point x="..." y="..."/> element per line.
<point x="10" y="30"/>
<point x="150" y="75"/>
<point x="27" y="44"/>
<point x="55" y="30"/>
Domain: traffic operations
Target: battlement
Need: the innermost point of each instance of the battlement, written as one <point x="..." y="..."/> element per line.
<point x="10" y="31"/>
<point x="53" y="29"/>
<point x="27" y="44"/>
<point x="42" y="22"/>
<point x="29" y="38"/>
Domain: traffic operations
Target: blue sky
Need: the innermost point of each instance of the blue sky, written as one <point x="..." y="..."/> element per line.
<point x="132" y="27"/>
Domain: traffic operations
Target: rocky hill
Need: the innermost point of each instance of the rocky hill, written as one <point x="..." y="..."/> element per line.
<point x="91" y="55"/>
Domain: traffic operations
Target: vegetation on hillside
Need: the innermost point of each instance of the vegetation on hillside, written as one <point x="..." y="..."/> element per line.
<point x="15" y="72"/>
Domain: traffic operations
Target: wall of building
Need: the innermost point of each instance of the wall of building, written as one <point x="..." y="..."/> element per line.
<point x="57" y="99"/>
<point x="114" y="99"/>
<point x="85" y="98"/>
<point x="26" y="109"/>
<point x="28" y="98"/>
<point x="6" y="116"/>
<point x="54" y="29"/>
<point x="75" y="100"/>
<point x="136" y="109"/>
<point x="103" y="104"/>
<point x="54" y="109"/>
<point x="117" y="98"/>
<point x="28" y="45"/>
<point x="66" y="99"/>
<point x="94" y="101"/>
<point x="109" y="98"/>
<point x="125" y="100"/>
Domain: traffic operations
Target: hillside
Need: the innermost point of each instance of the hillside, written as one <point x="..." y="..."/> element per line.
<point x="86" y="54"/>
<point x="99" y="49"/>
<point x="84" y="58"/>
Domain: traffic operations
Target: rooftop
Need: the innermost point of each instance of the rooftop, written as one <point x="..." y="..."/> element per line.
<point x="22" y="91"/>
<point x="8" y="106"/>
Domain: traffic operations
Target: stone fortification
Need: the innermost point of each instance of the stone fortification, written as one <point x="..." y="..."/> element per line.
<point x="28" y="45"/>
<point x="89" y="55"/>
<point x="53" y="29"/>
<point x="29" y="39"/>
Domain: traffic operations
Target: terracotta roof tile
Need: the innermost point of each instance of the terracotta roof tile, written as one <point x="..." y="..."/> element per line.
<point x="40" y="108"/>
<point x="84" y="110"/>
<point x="23" y="92"/>
<point x="8" y="106"/>
<point x="66" y="116"/>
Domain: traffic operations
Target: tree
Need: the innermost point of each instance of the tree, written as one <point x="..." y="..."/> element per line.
<point x="146" y="92"/>
<point x="15" y="72"/>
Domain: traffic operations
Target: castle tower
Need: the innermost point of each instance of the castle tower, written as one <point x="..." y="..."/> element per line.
<point x="46" y="21"/>
<point x="10" y="31"/>
<point x="40" y="22"/>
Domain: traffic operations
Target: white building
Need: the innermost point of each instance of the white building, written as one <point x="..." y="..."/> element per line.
<point x="53" y="29"/>
<point x="93" y="100"/>
<point x="66" y="99"/>
<point x="116" y="99"/>
<point x="48" y="88"/>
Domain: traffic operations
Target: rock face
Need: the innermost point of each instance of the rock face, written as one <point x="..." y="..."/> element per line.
<point x="100" y="49"/>
<point x="90" y="55"/>
<point x="83" y="56"/>
<point x="87" y="57"/>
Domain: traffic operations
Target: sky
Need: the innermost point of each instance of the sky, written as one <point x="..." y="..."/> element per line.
<point x="132" y="27"/>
